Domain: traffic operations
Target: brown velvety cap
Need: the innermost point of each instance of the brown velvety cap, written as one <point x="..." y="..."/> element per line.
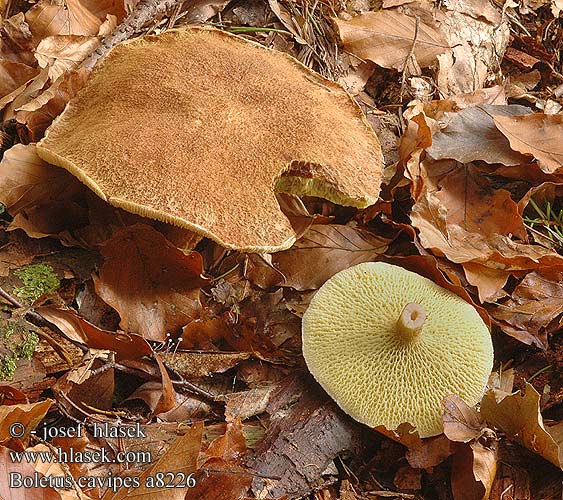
<point x="200" y="128"/>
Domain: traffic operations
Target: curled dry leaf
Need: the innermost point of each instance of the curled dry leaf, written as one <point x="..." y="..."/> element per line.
<point x="28" y="414"/>
<point x="476" y="45"/>
<point x="325" y="250"/>
<point x="462" y="423"/>
<point x="61" y="53"/>
<point x="421" y="453"/>
<point x="125" y="345"/>
<point x="474" y="467"/>
<point x="13" y="75"/>
<point x="535" y="307"/>
<point x="471" y="134"/>
<point x="538" y="135"/>
<point x="70" y="17"/>
<point x="386" y="37"/>
<point x="518" y="415"/>
<point x="153" y="286"/>
<point x="26" y="181"/>
<point x="220" y="475"/>
<point x="180" y="458"/>
<point x="29" y="469"/>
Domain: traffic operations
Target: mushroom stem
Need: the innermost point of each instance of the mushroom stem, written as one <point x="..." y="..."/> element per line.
<point x="410" y="322"/>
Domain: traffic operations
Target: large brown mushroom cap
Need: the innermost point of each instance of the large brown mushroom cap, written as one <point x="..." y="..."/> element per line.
<point x="388" y="345"/>
<point x="200" y="128"/>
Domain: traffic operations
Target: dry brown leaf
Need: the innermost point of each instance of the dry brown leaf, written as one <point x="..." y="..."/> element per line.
<point x="181" y="457"/>
<point x="386" y="38"/>
<point x="518" y="415"/>
<point x="488" y="280"/>
<point x="69" y="17"/>
<point x="26" y="469"/>
<point x="474" y="467"/>
<point x="167" y="400"/>
<point x="20" y="250"/>
<point x="125" y="345"/>
<point x="220" y="477"/>
<point x="538" y="135"/>
<point x="82" y="388"/>
<point x="422" y="453"/>
<point x="14" y="75"/>
<point x="26" y="181"/>
<point x="60" y="53"/>
<point x="535" y="307"/>
<point x="461" y="422"/>
<point x="153" y="285"/>
<point x="471" y="134"/>
<point x="38" y="113"/>
<point x="476" y="46"/>
<point x="27" y="414"/>
<point x="325" y="250"/>
<point x="246" y="404"/>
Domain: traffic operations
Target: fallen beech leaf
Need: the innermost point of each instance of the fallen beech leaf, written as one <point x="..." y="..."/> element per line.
<point x="153" y="285"/>
<point x="246" y="404"/>
<point x="28" y="414"/>
<point x="488" y="280"/>
<point x="325" y="250"/>
<point x="167" y="400"/>
<point x="81" y="388"/>
<point x="60" y="53"/>
<point x="386" y="38"/>
<point x="474" y="467"/>
<point x="538" y="135"/>
<point x="220" y="477"/>
<point x="13" y="75"/>
<point x="70" y="17"/>
<point x="180" y="458"/>
<point x="422" y="453"/>
<point x="518" y="415"/>
<point x="26" y="181"/>
<point x="125" y="345"/>
<point x="27" y="469"/>
<point x="461" y="422"/>
<point x="11" y="396"/>
<point x="535" y="307"/>
<point x="39" y="112"/>
<point x="471" y="134"/>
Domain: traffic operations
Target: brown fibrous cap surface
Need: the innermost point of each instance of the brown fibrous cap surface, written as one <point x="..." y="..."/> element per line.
<point x="195" y="126"/>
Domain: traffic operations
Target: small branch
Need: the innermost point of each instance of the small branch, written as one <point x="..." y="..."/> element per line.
<point x="409" y="57"/>
<point x="144" y="12"/>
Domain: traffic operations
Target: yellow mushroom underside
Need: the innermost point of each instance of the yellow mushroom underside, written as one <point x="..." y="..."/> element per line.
<point x="352" y="347"/>
<point x="200" y="128"/>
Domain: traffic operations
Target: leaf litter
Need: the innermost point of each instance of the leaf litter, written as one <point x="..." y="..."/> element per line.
<point x="202" y="345"/>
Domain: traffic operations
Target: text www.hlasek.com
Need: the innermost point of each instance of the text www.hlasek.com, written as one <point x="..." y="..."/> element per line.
<point x="83" y="457"/>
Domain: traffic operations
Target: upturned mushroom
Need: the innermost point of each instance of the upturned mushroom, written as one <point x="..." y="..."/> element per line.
<point x="388" y="345"/>
<point x="200" y="128"/>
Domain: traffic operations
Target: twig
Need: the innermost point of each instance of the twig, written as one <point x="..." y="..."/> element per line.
<point x="143" y="13"/>
<point x="409" y="57"/>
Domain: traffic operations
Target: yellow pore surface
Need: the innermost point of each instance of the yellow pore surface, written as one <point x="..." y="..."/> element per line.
<point x="351" y="347"/>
